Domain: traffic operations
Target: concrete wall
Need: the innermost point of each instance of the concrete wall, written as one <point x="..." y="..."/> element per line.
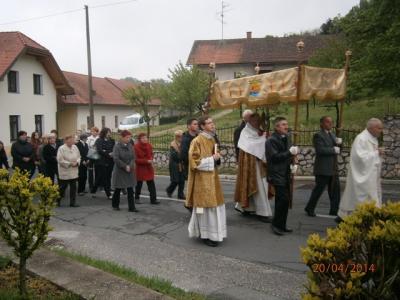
<point x="67" y="116"/>
<point x="25" y="103"/>
<point x="74" y="117"/>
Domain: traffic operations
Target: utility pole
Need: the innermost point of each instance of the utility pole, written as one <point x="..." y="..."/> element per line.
<point x="90" y="83"/>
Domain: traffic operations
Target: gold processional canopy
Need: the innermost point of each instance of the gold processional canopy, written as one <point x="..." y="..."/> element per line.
<point x="277" y="87"/>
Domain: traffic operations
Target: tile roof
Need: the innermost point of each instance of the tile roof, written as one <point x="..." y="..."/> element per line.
<point x="14" y="43"/>
<point x="254" y="50"/>
<point x="107" y="91"/>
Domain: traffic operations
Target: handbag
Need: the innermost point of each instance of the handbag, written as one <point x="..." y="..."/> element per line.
<point x="92" y="154"/>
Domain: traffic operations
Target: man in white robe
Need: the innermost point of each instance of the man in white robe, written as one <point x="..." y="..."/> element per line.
<point x="251" y="192"/>
<point x="363" y="181"/>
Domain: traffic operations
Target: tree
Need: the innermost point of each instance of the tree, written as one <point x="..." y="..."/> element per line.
<point x="188" y="88"/>
<point x="141" y="96"/>
<point x="372" y="31"/>
<point x="25" y="210"/>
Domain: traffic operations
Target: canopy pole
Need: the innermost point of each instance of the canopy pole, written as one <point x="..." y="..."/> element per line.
<point x="346" y="74"/>
<point x="300" y="48"/>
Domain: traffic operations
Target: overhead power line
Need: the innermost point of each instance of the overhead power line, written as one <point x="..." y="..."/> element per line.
<point x="65" y="12"/>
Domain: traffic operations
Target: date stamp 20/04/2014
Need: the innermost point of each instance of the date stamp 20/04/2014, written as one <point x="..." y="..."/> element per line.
<point x="344" y="268"/>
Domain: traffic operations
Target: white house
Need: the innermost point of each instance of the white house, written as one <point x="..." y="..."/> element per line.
<point x="238" y="57"/>
<point x="109" y="105"/>
<point x="30" y="82"/>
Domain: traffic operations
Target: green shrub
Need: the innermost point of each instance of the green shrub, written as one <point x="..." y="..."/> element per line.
<point x="25" y="210"/>
<point x="359" y="259"/>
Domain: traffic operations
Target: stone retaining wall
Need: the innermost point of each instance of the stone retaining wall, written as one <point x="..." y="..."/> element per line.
<point x="390" y="166"/>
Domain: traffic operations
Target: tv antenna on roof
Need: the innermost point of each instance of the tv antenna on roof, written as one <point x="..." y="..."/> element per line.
<point x="221" y="16"/>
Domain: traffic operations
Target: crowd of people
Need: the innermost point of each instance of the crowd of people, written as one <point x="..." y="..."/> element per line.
<point x="266" y="166"/>
<point x="85" y="163"/>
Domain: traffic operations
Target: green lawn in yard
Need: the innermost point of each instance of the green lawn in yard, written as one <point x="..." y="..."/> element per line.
<point x="355" y="114"/>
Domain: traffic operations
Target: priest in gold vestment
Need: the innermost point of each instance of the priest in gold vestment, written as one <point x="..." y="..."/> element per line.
<point x="204" y="195"/>
<point x="251" y="192"/>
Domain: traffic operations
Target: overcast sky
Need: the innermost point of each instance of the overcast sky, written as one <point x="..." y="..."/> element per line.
<point x="145" y="38"/>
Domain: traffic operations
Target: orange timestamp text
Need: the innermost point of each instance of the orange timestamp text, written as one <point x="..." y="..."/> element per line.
<point x="343" y="268"/>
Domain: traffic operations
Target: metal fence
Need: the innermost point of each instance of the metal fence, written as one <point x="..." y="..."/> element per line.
<point x="225" y="135"/>
<point x="305" y="136"/>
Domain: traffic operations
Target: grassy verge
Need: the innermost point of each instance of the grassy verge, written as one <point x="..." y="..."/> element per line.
<point x="160" y="285"/>
<point x="38" y="288"/>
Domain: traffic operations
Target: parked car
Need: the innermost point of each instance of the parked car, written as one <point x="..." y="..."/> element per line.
<point x="131" y="122"/>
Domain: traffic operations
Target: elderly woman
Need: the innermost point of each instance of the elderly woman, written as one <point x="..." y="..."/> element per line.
<point x="68" y="158"/>
<point x="123" y="176"/>
<point x="176" y="167"/>
<point x="144" y="168"/>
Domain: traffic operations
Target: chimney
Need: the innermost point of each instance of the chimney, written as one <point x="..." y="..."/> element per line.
<point x="248" y="34"/>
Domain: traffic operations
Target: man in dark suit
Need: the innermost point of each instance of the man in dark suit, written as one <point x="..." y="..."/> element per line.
<point x="325" y="168"/>
<point x="83" y="170"/>
<point x="279" y="153"/>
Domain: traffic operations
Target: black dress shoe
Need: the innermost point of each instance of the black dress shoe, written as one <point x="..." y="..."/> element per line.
<point x="74" y="205"/>
<point x="264" y="219"/>
<point x="288" y="230"/>
<point x="155" y="202"/>
<point x="168" y="194"/>
<point x="182" y="197"/>
<point x="277" y="230"/>
<point x="310" y="213"/>
<point x="116" y="208"/>
<point x="210" y="243"/>
<point x="133" y="210"/>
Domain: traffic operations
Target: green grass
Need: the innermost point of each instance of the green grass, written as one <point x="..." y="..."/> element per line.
<point x="355" y="114"/>
<point x="160" y="285"/>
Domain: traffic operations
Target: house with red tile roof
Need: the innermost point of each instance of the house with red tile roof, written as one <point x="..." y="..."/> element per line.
<point x="238" y="57"/>
<point x="30" y="82"/>
<point x="110" y="107"/>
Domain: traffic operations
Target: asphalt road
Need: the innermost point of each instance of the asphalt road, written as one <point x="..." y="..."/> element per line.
<point x="252" y="263"/>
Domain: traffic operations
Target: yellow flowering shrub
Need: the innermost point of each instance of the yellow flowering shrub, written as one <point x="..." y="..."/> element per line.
<point x="25" y="210"/>
<point x="360" y="259"/>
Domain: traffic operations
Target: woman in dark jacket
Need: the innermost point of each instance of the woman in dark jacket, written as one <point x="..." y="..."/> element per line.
<point x="123" y="176"/>
<point x="176" y="167"/>
<point x="3" y="157"/>
<point x="23" y="154"/>
<point x="104" y="165"/>
<point x="35" y="141"/>
<point x="50" y="158"/>
<point x="144" y="168"/>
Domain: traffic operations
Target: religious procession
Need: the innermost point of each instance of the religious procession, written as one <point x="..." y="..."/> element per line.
<point x="270" y="159"/>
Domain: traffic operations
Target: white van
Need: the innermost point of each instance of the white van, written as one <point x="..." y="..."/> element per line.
<point x="131" y="122"/>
